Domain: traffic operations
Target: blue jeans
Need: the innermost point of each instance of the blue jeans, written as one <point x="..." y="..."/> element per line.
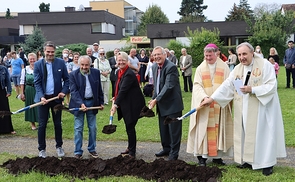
<point x="16" y="79"/>
<point x="78" y="129"/>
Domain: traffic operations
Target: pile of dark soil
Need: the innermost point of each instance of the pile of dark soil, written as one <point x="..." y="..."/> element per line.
<point x="159" y="169"/>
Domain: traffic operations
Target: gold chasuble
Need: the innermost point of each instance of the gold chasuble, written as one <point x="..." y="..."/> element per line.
<point x="211" y="128"/>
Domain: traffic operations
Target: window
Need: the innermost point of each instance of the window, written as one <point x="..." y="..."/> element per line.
<point x="96" y="28"/>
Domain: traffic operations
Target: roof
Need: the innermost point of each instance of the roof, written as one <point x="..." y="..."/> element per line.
<point x="288" y="7"/>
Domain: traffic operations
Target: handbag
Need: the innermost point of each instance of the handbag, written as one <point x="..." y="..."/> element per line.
<point x="288" y="66"/>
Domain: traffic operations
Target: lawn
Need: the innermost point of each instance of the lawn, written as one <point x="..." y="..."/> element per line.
<point x="147" y="130"/>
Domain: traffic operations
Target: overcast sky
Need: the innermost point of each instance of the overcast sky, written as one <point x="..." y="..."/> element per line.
<point x="217" y="9"/>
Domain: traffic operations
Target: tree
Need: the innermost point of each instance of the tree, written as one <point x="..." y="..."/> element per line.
<point x="44" y="7"/>
<point x="241" y="12"/>
<point x="34" y="42"/>
<point x="152" y="15"/>
<point x="262" y="8"/>
<point x="272" y="30"/>
<point x="7" y="15"/>
<point x="192" y="11"/>
<point x="198" y="40"/>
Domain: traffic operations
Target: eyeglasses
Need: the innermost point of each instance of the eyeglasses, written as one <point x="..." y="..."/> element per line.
<point x="101" y="53"/>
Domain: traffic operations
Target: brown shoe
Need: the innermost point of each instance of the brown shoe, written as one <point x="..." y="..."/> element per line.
<point x="125" y="152"/>
<point x="93" y="154"/>
<point x="78" y="156"/>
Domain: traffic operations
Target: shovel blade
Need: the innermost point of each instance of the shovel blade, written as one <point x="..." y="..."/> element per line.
<point x="109" y="129"/>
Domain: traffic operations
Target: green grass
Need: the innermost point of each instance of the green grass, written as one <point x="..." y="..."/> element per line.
<point x="147" y="130"/>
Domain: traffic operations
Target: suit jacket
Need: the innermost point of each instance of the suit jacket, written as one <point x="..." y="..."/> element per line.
<point x="169" y="99"/>
<point x="112" y="62"/>
<point x="188" y="63"/>
<point x="60" y="73"/>
<point x="172" y="58"/>
<point x="130" y="99"/>
<point x="77" y="88"/>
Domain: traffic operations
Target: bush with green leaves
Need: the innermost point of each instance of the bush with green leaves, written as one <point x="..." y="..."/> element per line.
<point x="176" y="46"/>
<point x="80" y="47"/>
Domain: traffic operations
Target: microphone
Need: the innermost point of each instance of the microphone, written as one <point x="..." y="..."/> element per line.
<point x="247" y="78"/>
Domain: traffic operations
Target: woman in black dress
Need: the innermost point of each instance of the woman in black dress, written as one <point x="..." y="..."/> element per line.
<point x="5" y="91"/>
<point x="143" y="60"/>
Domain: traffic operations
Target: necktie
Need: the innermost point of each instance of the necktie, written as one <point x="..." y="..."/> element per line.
<point x="158" y="80"/>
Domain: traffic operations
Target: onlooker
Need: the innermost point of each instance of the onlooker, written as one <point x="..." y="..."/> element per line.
<point x="74" y="65"/>
<point x="85" y="92"/>
<point x="173" y="53"/>
<point x="128" y="100"/>
<point x="105" y="69"/>
<point x="170" y="56"/>
<point x="48" y="76"/>
<point x="17" y="65"/>
<point x="221" y="56"/>
<point x="167" y="96"/>
<point x="232" y="59"/>
<point x="274" y="54"/>
<point x="7" y="60"/>
<point x="22" y="55"/>
<point x="258" y="123"/>
<point x="89" y="53"/>
<point x="65" y="57"/>
<point x="149" y="71"/>
<point x="95" y="51"/>
<point x="275" y="65"/>
<point x="209" y="128"/>
<point x="114" y="67"/>
<point x="289" y="62"/>
<point x="133" y="63"/>
<point x="28" y="91"/>
<point x="258" y="52"/>
<point x="143" y="60"/>
<point x="39" y="55"/>
<point x="5" y="92"/>
<point x="186" y="64"/>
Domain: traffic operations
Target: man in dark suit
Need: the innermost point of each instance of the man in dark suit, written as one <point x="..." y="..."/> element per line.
<point x="89" y="53"/>
<point x="114" y="67"/>
<point x="86" y="92"/>
<point x="49" y="73"/>
<point x="167" y="96"/>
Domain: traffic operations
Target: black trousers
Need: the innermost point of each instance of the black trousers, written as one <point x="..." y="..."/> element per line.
<point x="131" y="133"/>
<point x="170" y="134"/>
<point x="288" y="75"/>
<point x="187" y="80"/>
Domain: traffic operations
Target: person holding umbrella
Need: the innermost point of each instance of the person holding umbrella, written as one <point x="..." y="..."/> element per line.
<point x="86" y="91"/>
<point x="128" y="100"/>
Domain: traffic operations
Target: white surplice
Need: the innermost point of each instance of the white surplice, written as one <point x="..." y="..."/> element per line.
<point x="269" y="142"/>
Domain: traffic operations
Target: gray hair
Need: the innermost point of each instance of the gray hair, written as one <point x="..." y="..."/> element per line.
<point x="84" y="57"/>
<point x="245" y="44"/>
<point x="124" y="55"/>
<point x="162" y="49"/>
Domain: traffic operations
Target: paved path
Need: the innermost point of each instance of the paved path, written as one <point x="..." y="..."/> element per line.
<point x="26" y="146"/>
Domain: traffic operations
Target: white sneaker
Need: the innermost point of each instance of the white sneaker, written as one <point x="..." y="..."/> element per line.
<point x="42" y="154"/>
<point x="60" y="152"/>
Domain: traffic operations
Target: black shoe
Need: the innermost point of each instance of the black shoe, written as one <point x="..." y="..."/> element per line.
<point x="162" y="154"/>
<point x="172" y="158"/>
<point x="267" y="171"/>
<point x="287" y="87"/>
<point x="218" y="161"/>
<point x="202" y="161"/>
<point x="78" y="156"/>
<point x="245" y="165"/>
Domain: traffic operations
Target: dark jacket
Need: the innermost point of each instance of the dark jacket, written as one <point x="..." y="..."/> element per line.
<point x="60" y="75"/>
<point x="5" y="79"/>
<point x="130" y="99"/>
<point x="112" y="62"/>
<point x="77" y="87"/>
<point x="169" y="99"/>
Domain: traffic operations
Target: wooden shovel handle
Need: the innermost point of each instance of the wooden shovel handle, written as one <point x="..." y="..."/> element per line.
<point x="41" y="103"/>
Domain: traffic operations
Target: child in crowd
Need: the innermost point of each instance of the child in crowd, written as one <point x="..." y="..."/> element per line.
<point x="275" y="65"/>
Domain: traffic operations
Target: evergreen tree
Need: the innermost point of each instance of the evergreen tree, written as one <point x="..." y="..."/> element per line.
<point x="192" y="11"/>
<point x="44" y="7"/>
<point x="241" y="12"/>
<point x="34" y="42"/>
<point x="152" y="15"/>
<point x="7" y="15"/>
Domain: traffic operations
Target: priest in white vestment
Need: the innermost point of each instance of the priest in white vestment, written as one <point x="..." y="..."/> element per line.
<point x="258" y="123"/>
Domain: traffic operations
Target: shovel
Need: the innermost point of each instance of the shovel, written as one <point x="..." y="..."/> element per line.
<point x="109" y="129"/>
<point x="62" y="107"/>
<point x="169" y="120"/>
<point x="146" y="112"/>
<point x="5" y="113"/>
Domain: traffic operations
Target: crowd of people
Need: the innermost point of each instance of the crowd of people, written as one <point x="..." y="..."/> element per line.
<point x="238" y="107"/>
